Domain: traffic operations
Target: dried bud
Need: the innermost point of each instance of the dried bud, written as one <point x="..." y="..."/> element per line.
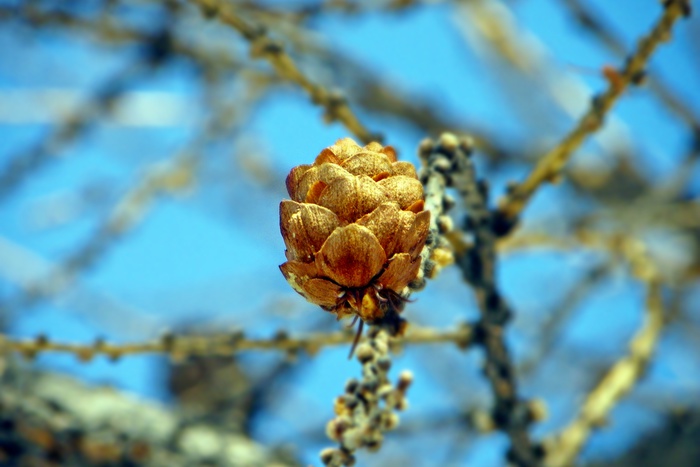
<point x="354" y="229"/>
<point x="537" y="410"/>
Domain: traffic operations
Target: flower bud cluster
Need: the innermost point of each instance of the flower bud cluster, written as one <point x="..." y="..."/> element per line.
<point x="368" y="407"/>
<point x="437" y="175"/>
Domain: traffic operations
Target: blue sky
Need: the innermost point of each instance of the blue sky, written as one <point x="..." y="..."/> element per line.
<point x="209" y="254"/>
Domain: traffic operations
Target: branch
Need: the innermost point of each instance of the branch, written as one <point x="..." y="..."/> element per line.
<point x="181" y="346"/>
<point x="622" y="376"/>
<point x="450" y="157"/>
<point x="175" y="175"/>
<point x="435" y="179"/>
<point x="550" y="166"/>
<point x="552" y="327"/>
<point x="47" y="416"/>
<point x="27" y="161"/>
<point x="377" y="93"/>
<point x="261" y="45"/>
<point x="367" y="408"/>
<point x="587" y="18"/>
<point x="172" y="177"/>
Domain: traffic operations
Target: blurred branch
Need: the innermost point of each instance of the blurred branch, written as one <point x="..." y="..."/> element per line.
<point x="367" y="89"/>
<point x="336" y="107"/>
<point x="110" y="30"/>
<point x="175" y="175"/>
<point x="525" y="55"/>
<point x="551" y="164"/>
<point x="378" y="93"/>
<point x="225" y="344"/>
<point x="437" y="252"/>
<point x="49" y="419"/>
<point x="164" y="178"/>
<point x="301" y="12"/>
<point x="144" y="109"/>
<point x="664" y="203"/>
<point x="426" y="116"/>
<point x="594" y="24"/>
<point x="451" y="157"/>
<point x="622" y="376"/>
<point x="28" y="161"/>
<point x="22" y="267"/>
<point x="550" y="330"/>
<point x="675" y="442"/>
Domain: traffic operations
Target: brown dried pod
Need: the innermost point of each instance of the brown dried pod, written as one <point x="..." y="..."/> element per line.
<point x="354" y="229"/>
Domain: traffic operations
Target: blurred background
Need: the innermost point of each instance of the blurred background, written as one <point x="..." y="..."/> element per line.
<point x="143" y="151"/>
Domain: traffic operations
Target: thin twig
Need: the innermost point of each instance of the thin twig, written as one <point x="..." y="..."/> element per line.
<point x="591" y="22"/>
<point x="27" y="161"/>
<point x="181" y="346"/>
<point x="622" y="376"/>
<point x="550" y="330"/>
<point x="261" y="45"/>
<point x="550" y="166"/>
<point x="173" y="177"/>
<point x="378" y="93"/>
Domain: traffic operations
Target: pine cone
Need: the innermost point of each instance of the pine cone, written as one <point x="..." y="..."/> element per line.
<point x="354" y="229"/>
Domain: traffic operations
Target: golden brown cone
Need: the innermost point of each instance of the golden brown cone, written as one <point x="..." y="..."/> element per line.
<point x="397" y="230"/>
<point x="346" y="147"/>
<point x="354" y="229"/>
<point x="388" y="223"/>
<point x="326" y="173"/>
<point x="327" y="156"/>
<point x="416" y="207"/>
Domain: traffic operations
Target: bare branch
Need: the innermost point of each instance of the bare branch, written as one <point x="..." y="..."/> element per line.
<point x="551" y="164"/>
<point x="451" y="157"/>
<point x="50" y="416"/>
<point x="623" y="375"/>
<point x="182" y="346"/>
<point x="27" y="161"/>
<point x="591" y="22"/>
<point x="261" y="45"/>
